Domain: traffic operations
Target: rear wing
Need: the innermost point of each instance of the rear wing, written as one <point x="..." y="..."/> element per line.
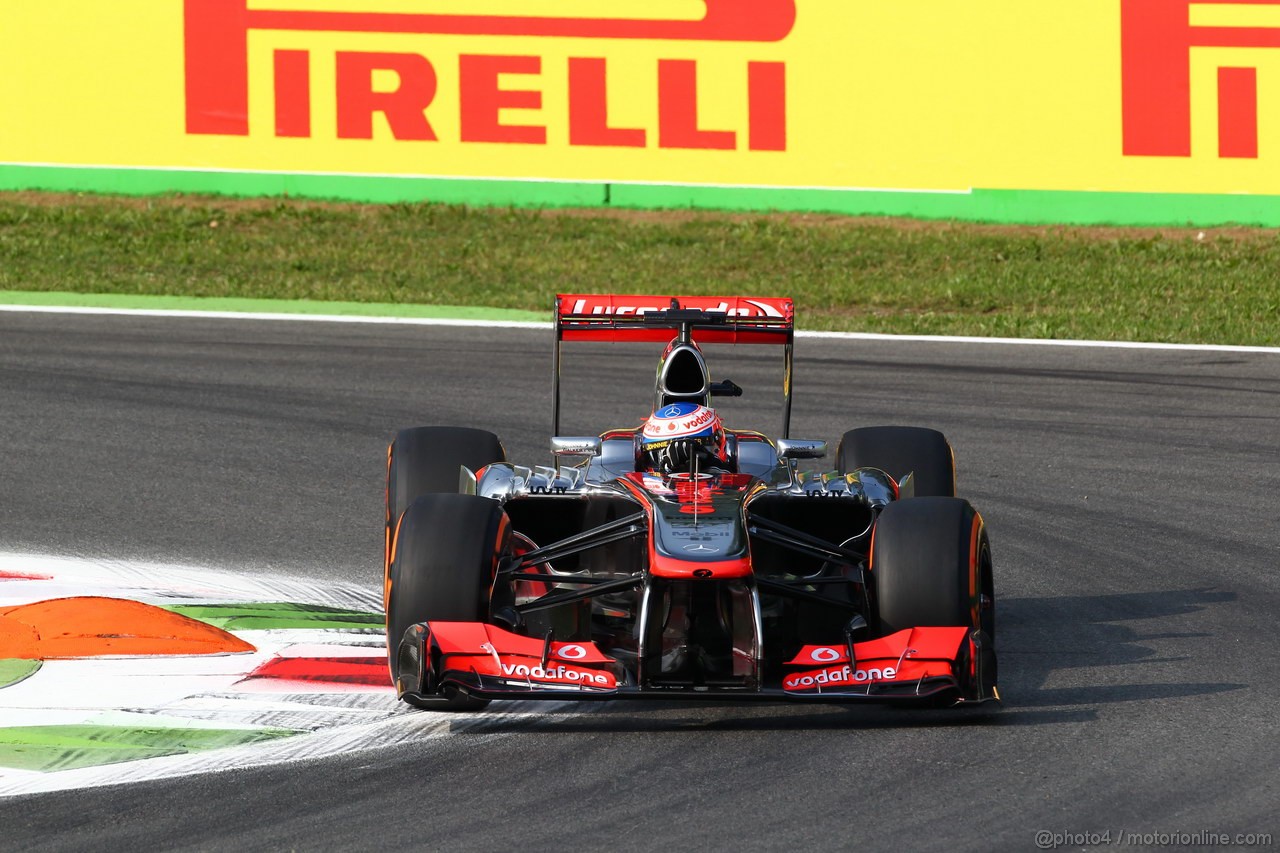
<point x="731" y="319"/>
<point x="707" y="319"/>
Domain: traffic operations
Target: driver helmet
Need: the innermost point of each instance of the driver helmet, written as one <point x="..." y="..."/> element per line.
<point x="679" y="436"/>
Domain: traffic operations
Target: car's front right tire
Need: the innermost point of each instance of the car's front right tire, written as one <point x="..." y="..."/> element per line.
<point x="901" y="450"/>
<point x="931" y="567"/>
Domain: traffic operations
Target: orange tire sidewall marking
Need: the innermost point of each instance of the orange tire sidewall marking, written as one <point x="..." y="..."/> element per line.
<point x="391" y="558"/>
<point x="386" y="496"/>
<point x="974" y="541"/>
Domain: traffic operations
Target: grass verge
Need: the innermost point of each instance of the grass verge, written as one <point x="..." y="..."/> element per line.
<point x="1218" y="286"/>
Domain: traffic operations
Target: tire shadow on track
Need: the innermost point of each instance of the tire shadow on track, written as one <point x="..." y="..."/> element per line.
<point x="1082" y="650"/>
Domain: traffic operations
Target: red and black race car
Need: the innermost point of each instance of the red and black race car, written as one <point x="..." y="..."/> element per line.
<point x="682" y="559"/>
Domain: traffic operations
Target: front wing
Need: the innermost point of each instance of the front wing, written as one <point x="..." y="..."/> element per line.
<point x="916" y="665"/>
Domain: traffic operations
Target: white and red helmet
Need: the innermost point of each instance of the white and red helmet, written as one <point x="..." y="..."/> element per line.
<point x="679" y="436"/>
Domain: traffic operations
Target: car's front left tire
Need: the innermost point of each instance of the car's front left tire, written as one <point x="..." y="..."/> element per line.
<point x="446" y="550"/>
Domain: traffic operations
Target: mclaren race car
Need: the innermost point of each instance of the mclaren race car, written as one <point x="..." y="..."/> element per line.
<point x="680" y="558"/>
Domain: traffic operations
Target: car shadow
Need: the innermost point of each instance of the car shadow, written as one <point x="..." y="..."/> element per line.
<point x="1042" y="640"/>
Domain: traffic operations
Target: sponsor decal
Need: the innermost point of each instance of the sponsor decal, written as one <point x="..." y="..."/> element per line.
<point x="680" y="420"/>
<point x="655" y="485"/>
<point x="736" y="98"/>
<point x="700" y="533"/>
<point x="838" y="676"/>
<point x="219" y="75"/>
<point x="558" y="674"/>
<point x="699" y="548"/>
<point x="826" y="654"/>
<point x="571" y="652"/>
<point x="1157" y="39"/>
<point x="613" y="306"/>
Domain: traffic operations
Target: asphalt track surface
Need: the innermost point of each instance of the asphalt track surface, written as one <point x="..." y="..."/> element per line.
<point x="1131" y="498"/>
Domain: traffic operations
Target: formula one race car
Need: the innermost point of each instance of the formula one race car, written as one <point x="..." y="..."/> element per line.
<point x="682" y="559"/>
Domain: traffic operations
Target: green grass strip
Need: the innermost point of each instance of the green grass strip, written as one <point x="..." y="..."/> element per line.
<point x="50" y="748"/>
<point x="13" y="670"/>
<point x="847" y="274"/>
<point x="264" y="306"/>
<point x="239" y="617"/>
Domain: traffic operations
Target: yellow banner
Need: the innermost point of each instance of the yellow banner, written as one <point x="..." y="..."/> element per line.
<point x="921" y="95"/>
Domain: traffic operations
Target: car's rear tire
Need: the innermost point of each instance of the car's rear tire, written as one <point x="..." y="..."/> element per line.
<point x="428" y="460"/>
<point x="445" y="552"/>
<point x="899" y="451"/>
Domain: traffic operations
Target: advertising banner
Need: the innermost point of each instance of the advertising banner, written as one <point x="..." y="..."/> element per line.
<point x="1093" y="110"/>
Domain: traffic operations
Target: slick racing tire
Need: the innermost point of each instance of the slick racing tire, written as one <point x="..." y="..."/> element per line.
<point x="899" y="451"/>
<point x="428" y="460"/>
<point x="931" y="567"/>
<point x="445" y="553"/>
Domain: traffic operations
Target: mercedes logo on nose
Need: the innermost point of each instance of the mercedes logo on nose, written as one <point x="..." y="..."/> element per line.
<point x="699" y="548"/>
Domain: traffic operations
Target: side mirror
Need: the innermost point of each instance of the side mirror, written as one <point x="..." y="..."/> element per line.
<point x="586" y="445"/>
<point x="725" y="388"/>
<point x="801" y="448"/>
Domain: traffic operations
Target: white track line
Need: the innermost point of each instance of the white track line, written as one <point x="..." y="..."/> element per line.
<point x="546" y="326"/>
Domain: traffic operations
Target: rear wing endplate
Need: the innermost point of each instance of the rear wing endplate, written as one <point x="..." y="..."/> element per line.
<point x="652" y="319"/>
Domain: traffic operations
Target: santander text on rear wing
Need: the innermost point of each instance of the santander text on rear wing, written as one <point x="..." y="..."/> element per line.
<point x="746" y="320"/>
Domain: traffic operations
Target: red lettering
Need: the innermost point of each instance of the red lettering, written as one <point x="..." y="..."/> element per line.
<point x="217" y="77"/>
<point x="216" y="40"/>
<point x="1156" y="40"/>
<point x="217" y="66"/>
<point x="1237" y="112"/>
<point x="404" y="107"/>
<point x="678" y="109"/>
<point x="293" y="93"/>
<point x="483" y="99"/>
<point x="589" y="108"/>
<point x="767" y="106"/>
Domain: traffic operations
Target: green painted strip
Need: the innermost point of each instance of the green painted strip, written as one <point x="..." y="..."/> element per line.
<point x="1105" y="208"/>
<point x="370" y="188"/>
<point x="991" y="205"/>
<point x="14" y="670"/>
<point x="241" y="617"/>
<point x="981" y="205"/>
<point x="50" y="748"/>
<point x="266" y="306"/>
